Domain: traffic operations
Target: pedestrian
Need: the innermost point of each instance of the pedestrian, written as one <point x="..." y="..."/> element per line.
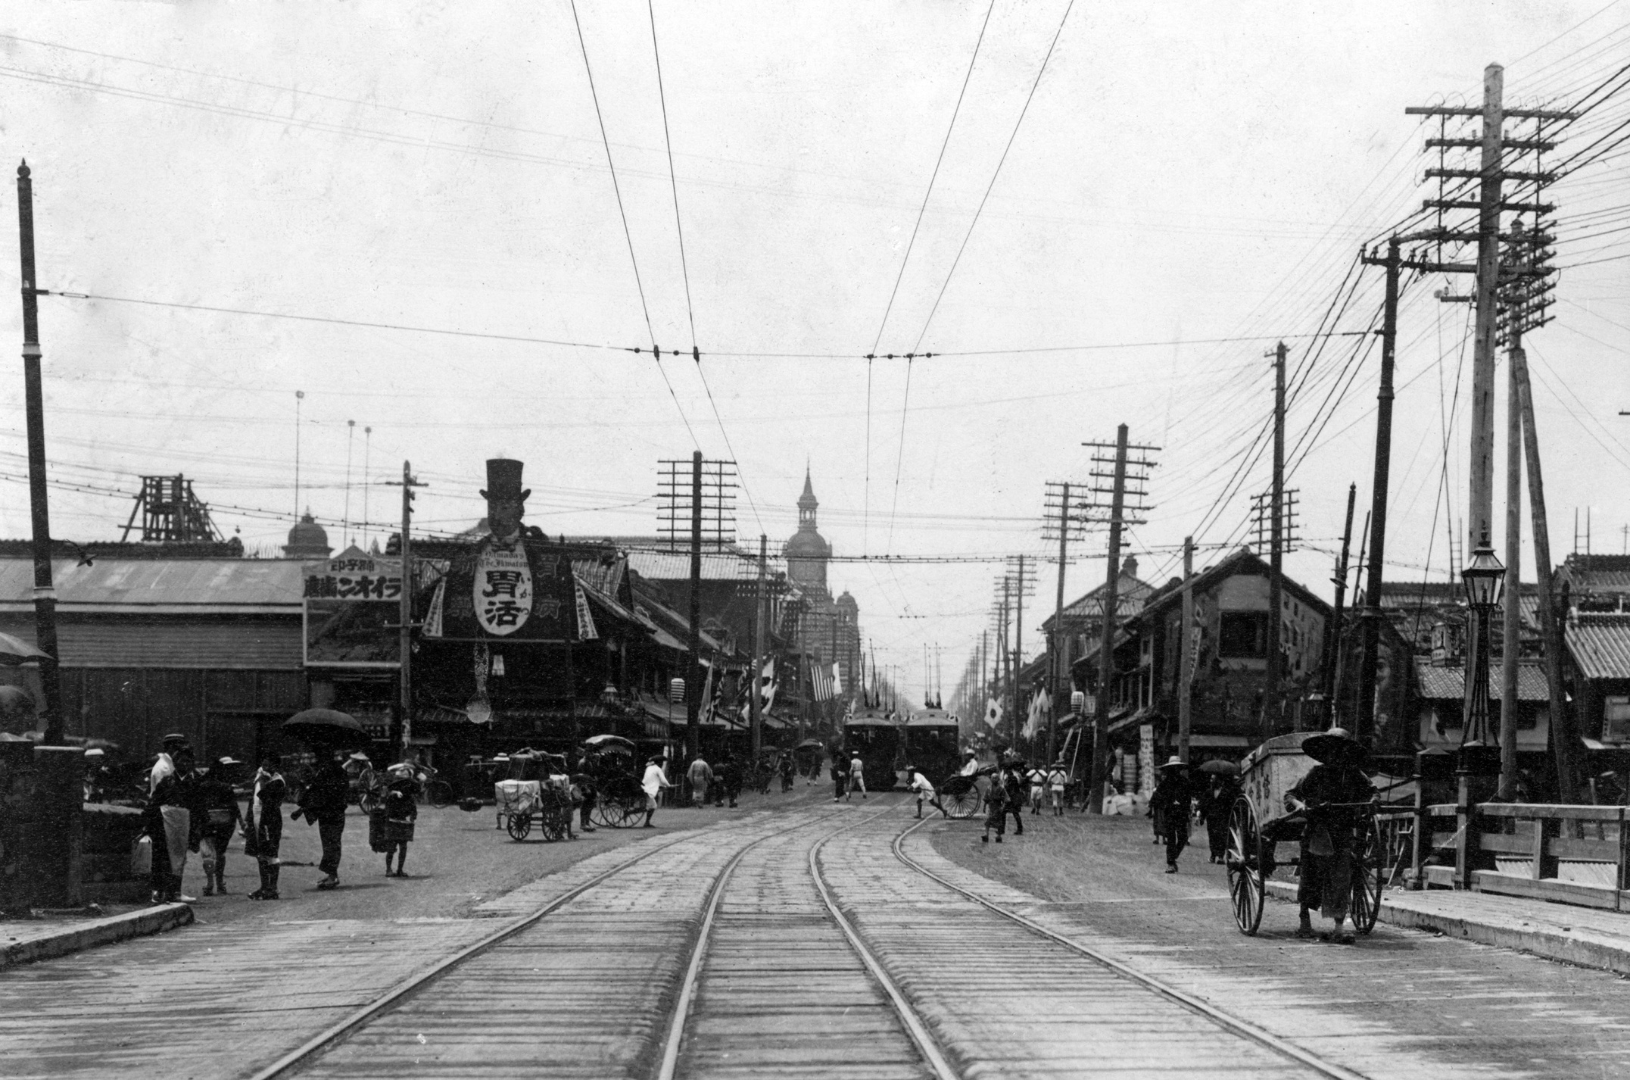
<point x="786" y="770"/>
<point x="1172" y="801"/>
<point x="1037" y="780"/>
<point x="263" y="827"/>
<point x="857" y="777"/>
<point x="215" y="818"/>
<point x="700" y="776"/>
<point x="840" y="778"/>
<point x="995" y="811"/>
<point x="925" y="791"/>
<point x="1216" y="804"/>
<point x="587" y="792"/>
<point x="167" y="821"/>
<point x="727" y="781"/>
<point x="323" y="804"/>
<point x="1331" y="795"/>
<point x="1057" y="779"/>
<point x="970" y="764"/>
<point x="652" y="783"/>
<point x="401" y="811"/>
<point x="1014" y="778"/>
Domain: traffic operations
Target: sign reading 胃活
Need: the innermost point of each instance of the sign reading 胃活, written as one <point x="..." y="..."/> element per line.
<point x="501" y="590"/>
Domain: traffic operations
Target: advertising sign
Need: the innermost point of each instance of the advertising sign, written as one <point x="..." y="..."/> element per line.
<point x="523" y="592"/>
<point x="351" y="610"/>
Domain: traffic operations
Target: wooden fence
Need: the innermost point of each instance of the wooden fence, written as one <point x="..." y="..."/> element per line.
<point x="1570" y="854"/>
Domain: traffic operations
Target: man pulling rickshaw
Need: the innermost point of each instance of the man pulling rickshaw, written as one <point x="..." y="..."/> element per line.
<point x="1333" y="796"/>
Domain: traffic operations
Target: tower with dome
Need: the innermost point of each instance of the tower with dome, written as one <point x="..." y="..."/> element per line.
<point x="826" y="631"/>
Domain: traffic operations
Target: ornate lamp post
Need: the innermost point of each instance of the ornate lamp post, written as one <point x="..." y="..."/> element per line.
<point x="1484" y="578"/>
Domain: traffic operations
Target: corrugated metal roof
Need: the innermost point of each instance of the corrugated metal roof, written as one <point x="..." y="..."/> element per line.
<point x="1449" y="683"/>
<point x="188" y="584"/>
<point x="716" y="565"/>
<point x="225" y="644"/>
<point x="1600" y="645"/>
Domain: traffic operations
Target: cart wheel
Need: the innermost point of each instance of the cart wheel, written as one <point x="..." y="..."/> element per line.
<point x="553" y="826"/>
<point x="1369" y="875"/>
<point x="1244" y="862"/>
<point x="964" y="804"/>
<point x="519" y="825"/>
<point x="632" y="812"/>
<point x="606" y="813"/>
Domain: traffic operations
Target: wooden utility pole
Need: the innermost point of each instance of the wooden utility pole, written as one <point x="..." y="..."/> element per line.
<point x="1271" y="704"/>
<point x="45" y="595"/>
<point x="1332" y="646"/>
<point x="756" y="721"/>
<point x="1185" y="645"/>
<point x="1564" y="738"/>
<point x="1018" y="650"/>
<point x="693" y="685"/>
<point x="1059" y="644"/>
<point x="1364" y="714"/>
<point x="405" y="618"/>
<point x="1511" y="621"/>
<point x="1106" y="640"/>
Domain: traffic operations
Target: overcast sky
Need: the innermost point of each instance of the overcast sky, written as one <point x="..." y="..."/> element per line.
<point x="1182" y="173"/>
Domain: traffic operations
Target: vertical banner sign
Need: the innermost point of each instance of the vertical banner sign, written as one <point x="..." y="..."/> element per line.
<point x="1146" y="759"/>
<point x="586" y="630"/>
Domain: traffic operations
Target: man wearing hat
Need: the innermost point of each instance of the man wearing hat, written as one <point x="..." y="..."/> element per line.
<point x="1329" y="795"/>
<point x="1171" y="805"/>
<point x="167" y="820"/>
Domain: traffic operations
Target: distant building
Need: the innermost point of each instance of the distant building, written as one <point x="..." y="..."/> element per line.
<point x="822" y="631"/>
<point x="307" y="540"/>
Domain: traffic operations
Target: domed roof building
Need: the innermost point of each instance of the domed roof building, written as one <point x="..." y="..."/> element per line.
<point x="307" y="540"/>
<point x="807" y="551"/>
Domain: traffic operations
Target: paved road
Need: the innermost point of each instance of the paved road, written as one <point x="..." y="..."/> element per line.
<point x="1469" y="1009"/>
<point x="591" y="989"/>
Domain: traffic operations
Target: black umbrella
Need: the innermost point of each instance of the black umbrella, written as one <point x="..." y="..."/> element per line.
<point x="328" y="728"/>
<point x="1220" y="767"/>
<point x="615" y="743"/>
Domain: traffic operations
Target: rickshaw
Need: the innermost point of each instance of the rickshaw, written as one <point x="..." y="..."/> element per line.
<point x="609" y="761"/>
<point x="1259" y="823"/>
<point x="961" y="795"/>
<point x="537" y="791"/>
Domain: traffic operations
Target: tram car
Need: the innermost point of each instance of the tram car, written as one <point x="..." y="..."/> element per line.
<point x="877" y="738"/>
<point x="932" y="738"/>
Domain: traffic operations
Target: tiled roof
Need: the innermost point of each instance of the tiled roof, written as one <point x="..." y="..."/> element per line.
<point x="1449" y="683"/>
<point x="1600" y="645"/>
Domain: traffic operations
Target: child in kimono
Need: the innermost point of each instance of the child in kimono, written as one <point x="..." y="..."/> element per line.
<point x="996" y="811"/>
<point x="401" y="810"/>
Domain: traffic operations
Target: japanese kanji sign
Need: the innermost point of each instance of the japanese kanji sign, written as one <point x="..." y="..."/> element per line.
<point x="354" y="575"/>
<point x="502" y="590"/>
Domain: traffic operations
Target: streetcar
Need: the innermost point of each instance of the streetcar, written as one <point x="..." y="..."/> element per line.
<point x="931" y="744"/>
<point x="876" y="737"/>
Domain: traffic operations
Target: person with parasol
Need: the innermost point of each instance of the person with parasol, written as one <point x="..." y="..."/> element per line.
<point x="329" y="733"/>
<point x="1217" y="802"/>
<point x="1330" y="795"/>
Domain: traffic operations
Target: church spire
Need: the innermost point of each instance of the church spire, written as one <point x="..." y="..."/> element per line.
<point x="807" y="503"/>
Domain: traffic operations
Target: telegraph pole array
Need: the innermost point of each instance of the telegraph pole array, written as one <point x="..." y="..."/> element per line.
<point x="1125" y="465"/>
<point x="1017" y="583"/>
<point x="708" y="500"/>
<point x="1262" y="526"/>
<point x="1513" y="280"/>
<point x="1067" y="516"/>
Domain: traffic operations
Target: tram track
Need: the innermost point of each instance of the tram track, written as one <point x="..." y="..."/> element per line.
<point x="1242" y="1028"/>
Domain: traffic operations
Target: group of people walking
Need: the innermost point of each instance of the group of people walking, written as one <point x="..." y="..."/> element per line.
<point x="197" y="810"/>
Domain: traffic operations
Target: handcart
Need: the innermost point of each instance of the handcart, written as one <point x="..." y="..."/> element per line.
<point x="538" y="791"/>
<point x="1259" y="824"/>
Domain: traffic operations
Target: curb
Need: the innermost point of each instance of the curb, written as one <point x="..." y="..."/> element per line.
<point x="1578" y="947"/>
<point x="153" y="920"/>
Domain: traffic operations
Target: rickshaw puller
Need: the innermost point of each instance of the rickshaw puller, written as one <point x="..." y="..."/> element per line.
<point x="1329" y="836"/>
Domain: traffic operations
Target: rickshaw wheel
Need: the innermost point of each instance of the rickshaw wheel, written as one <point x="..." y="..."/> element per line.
<point x="607" y="813"/>
<point x="963" y="804"/>
<point x="1368" y="878"/>
<point x="519" y="825"/>
<point x="632" y="810"/>
<point x="1244" y="861"/>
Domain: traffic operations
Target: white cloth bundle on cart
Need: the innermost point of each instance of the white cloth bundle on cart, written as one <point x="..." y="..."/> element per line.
<point x="516" y="796"/>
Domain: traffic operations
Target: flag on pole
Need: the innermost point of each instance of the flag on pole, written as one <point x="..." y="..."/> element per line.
<point x="1041" y="707"/>
<point x="993" y="712"/>
<point x="823" y="682"/>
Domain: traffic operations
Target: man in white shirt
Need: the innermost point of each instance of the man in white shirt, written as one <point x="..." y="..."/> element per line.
<point x="857" y="778"/>
<point x="925" y="790"/>
<point x="653" y="783"/>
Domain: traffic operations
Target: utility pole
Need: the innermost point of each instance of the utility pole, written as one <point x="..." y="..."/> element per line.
<point x="45" y="596"/>
<point x="1185" y="645"/>
<point x="756" y="722"/>
<point x="693" y="687"/>
<point x="1058" y="646"/>
<point x="1271" y="706"/>
<point x="1332" y="646"/>
<point x="1119" y="516"/>
<point x="1511" y="621"/>
<point x="1364" y="714"/>
<point x="404" y="724"/>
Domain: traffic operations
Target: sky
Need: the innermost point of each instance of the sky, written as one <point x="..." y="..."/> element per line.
<point x="405" y="213"/>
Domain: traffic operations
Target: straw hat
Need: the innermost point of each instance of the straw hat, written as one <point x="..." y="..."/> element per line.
<point x="1174" y="763"/>
<point x="1334" y="747"/>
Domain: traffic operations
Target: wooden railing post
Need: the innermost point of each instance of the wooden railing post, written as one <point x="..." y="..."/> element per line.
<point x="1464" y="842"/>
<point x="1624" y="863"/>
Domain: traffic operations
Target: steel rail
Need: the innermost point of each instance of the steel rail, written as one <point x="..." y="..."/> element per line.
<point x="914" y="1025"/>
<point x="414" y="983"/>
<point x="693" y="971"/>
<point x="1243" y="1028"/>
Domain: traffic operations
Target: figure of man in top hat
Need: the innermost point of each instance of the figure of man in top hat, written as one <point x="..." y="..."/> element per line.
<point x="1331" y="795"/>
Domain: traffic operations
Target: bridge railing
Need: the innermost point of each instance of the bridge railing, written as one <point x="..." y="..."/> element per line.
<point x="1570" y="854"/>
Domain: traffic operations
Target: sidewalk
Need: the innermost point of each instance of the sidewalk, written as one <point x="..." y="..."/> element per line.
<point x="1575" y="935"/>
<point x="23" y="941"/>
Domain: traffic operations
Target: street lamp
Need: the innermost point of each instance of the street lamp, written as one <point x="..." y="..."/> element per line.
<point x="1484" y="578"/>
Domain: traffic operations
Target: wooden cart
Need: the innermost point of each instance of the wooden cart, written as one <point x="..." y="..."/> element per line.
<point x="537" y="792"/>
<point x="1259" y="824"/>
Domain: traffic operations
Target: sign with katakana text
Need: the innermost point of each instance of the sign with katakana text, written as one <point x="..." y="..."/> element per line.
<point x="354" y="575"/>
<point x="502" y="590"/>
